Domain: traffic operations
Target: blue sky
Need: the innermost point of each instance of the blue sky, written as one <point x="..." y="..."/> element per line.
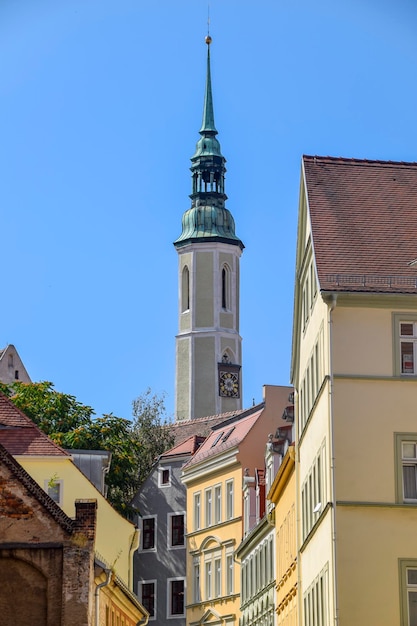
<point x="100" y="107"/>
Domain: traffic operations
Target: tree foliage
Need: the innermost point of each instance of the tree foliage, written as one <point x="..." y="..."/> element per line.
<point x="134" y="444"/>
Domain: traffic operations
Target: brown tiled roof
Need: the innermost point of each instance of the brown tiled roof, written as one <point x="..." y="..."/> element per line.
<point x="19" y="435"/>
<point x="364" y="223"/>
<point x="201" y="426"/>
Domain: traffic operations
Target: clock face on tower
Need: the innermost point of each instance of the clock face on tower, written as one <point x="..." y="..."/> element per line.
<point x="229" y="384"/>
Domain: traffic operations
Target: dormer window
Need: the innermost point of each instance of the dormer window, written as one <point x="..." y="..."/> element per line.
<point x="164" y="476"/>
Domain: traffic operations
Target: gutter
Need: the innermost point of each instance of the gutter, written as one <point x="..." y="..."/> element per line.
<point x="97" y="595"/>
<point x="332" y="306"/>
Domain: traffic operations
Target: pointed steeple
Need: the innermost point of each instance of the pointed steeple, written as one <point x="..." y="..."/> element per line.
<point x="208" y="125"/>
<point x="208" y="219"/>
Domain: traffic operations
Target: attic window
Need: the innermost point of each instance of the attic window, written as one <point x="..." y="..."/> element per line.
<point x="227" y="435"/>
<point x="16" y="374"/>
<point x="216" y="441"/>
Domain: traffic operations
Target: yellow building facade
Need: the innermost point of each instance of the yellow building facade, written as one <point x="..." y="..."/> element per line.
<point x="214" y="479"/>
<point x="354" y="371"/>
<point x="282" y="495"/>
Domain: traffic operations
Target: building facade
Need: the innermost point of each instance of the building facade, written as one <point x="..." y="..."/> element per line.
<point x="208" y="344"/>
<point x="12" y="368"/>
<point x="108" y="594"/>
<point x="160" y="562"/>
<point x="354" y="370"/>
<point x="214" y="478"/>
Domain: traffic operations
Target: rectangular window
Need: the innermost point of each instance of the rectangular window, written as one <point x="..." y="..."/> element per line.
<point x="197" y="511"/>
<point x="196" y="581"/>
<point x="217" y="504"/>
<point x="148" y="533"/>
<point x="176" y="526"/>
<point x="148" y="596"/>
<point x="229" y="500"/>
<point x="176" y="593"/>
<point x="53" y="488"/>
<point x="408" y="591"/>
<point x="208" y="580"/>
<point x="404" y="329"/>
<point x="313" y="493"/>
<point x="229" y="574"/>
<point x="217" y="578"/>
<point x="164" y="476"/>
<point x="315" y="606"/>
<point x="208" y="507"/>
<point x="406" y="467"/>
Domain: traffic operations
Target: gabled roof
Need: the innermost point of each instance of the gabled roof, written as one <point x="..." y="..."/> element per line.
<point x="226" y="436"/>
<point x="201" y="426"/>
<point x="364" y="223"/>
<point x="189" y="446"/>
<point x="35" y="490"/>
<point x="20" y="436"/>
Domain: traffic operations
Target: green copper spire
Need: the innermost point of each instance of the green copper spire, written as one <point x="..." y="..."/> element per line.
<point x="207" y="125"/>
<point x="208" y="219"/>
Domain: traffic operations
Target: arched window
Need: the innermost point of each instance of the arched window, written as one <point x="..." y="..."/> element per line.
<point x="185" y="290"/>
<point x="225" y="287"/>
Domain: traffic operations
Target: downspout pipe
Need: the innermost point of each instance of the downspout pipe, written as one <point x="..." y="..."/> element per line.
<point x="97" y="595"/>
<point x="332" y="306"/>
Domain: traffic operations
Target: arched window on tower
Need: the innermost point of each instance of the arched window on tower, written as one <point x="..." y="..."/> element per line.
<point x="185" y="290"/>
<point x="225" y="287"/>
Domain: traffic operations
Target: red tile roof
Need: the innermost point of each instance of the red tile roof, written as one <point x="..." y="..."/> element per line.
<point x="227" y="435"/>
<point x="189" y="446"/>
<point x="19" y="435"/>
<point x="201" y="426"/>
<point x="364" y="223"/>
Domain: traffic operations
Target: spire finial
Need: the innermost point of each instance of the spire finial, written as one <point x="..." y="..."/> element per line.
<point x="208" y="112"/>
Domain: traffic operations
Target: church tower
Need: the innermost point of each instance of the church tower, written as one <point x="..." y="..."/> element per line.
<point x="208" y="344"/>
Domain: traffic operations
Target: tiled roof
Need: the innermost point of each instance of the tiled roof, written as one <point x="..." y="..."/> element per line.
<point x="201" y="426"/>
<point x="189" y="446"/>
<point x="226" y="437"/>
<point x="364" y="223"/>
<point x="19" y="435"/>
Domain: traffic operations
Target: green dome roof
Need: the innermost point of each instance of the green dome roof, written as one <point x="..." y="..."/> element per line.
<point x="208" y="223"/>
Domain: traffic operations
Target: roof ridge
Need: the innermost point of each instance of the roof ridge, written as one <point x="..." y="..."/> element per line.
<point x="353" y="161"/>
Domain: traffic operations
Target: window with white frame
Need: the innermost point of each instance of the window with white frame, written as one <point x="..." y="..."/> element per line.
<point x="196" y="580"/>
<point x="147" y="595"/>
<point x="408" y="347"/>
<point x="208" y="507"/>
<point x="176" y="597"/>
<point x="406" y="467"/>
<point x="404" y="331"/>
<point x="217" y="577"/>
<point x="315" y="601"/>
<point x="313" y="493"/>
<point x="217" y="504"/>
<point x="208" y="579"/>
<point x="229" y="574"/>
<point x="148" y="533"/>
<point x="164" y="475"/>
<point x="176" y="530"/>
<point x="229" y="500"/>
<point x="197" y="511"/>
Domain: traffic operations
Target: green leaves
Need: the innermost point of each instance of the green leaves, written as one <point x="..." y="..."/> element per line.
<point x="134" y="445"/>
